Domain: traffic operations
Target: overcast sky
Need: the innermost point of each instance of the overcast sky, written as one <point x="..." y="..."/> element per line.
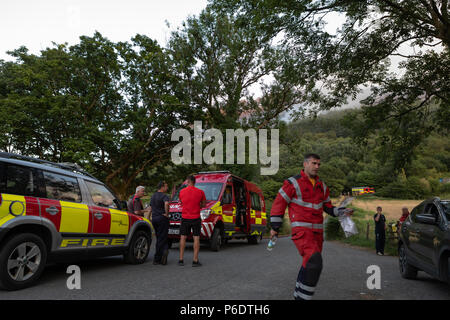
<point x="35" y="24"/>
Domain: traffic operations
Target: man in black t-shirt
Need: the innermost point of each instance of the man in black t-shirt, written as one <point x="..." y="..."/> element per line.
<point x="380" y="234"/>
<point x="159" y="204"/>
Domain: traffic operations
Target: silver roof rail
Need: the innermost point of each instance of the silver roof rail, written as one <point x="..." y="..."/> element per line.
<point x="73" y="167"/>
<point x="207" y="172"/>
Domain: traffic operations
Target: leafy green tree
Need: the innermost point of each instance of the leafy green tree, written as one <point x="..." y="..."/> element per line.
<point x="221" y="56"/>
<point x="332" y="67"/>
<point x="109" y="107"/>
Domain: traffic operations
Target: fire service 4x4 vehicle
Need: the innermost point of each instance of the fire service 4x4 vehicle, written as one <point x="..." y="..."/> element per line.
<point x="54" y="211"/>
<point x="424" y="242"/>
<point x="235" y="208"/>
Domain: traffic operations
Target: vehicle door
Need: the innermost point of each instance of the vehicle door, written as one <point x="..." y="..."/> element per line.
<point x="247" y="208"/>
<point x="108" y="219"/>
<point x="255" y="210"/>
<point x="63" y="204"/>
<point x="228" y="207"/>
<point x="263" y="209"/>
<point x="430" y="234"/>
<point x="242" y="200"/>
<point x="410" y="230"/>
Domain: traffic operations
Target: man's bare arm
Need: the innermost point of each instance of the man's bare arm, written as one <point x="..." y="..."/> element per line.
<point x="166" y="208"/>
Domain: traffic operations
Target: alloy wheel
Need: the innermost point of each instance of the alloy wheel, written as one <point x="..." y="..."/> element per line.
<point x="24" y="261"/>
<point x="141" y="248"/>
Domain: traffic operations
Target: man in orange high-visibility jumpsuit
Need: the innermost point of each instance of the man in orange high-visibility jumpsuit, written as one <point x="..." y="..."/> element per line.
<point x="306" y="197"/>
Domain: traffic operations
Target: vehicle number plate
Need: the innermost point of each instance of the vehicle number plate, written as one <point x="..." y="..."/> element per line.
<point x="174" y="231"/>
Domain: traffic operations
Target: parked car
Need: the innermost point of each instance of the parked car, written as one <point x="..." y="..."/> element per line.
<point x="424" y="242"/>
<point x="52" y="212"/>
<point x="235" y="208"/>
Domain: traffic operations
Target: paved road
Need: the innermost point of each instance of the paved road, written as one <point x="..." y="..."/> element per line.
<point x="239" y="271"/>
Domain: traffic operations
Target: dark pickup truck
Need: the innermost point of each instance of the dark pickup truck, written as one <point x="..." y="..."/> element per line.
<point x="424" y="242"/>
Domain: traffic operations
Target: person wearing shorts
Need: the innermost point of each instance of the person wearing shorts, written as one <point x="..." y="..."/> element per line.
<point x="192" y="200"/>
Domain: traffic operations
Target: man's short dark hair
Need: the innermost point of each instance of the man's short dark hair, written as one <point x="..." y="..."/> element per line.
<point x="161" y="184"/>
<point x="191" y="178"/>
<point x="311" y="155"/>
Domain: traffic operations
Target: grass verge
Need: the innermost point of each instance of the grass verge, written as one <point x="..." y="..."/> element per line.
<point x="366" y="232"/>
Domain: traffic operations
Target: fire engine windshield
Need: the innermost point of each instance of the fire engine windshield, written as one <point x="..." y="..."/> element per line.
<point x="211" y="190"/>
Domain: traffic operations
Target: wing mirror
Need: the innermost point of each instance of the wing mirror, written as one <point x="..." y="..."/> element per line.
<point x="121" y="204"/>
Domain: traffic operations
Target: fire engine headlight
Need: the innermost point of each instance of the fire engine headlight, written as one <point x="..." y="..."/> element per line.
<point x="204" y="214"/>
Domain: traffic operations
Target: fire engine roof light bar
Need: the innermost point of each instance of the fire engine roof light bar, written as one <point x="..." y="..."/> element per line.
<point x="64" y="165"/>
<point x="208" y="172"/>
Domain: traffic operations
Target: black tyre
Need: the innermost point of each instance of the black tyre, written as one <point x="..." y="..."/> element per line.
<point x="216" y="240"/>
<point x="254" y="239"/>
<point x="139" y="248"/>
<point x="448" y="270"/>
<point x="22" y="261"/>
<point x="407" y="271"/>
<point x="444" y="264"/>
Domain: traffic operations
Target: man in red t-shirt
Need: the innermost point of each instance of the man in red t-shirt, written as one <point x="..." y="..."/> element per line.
<point x="192" y="199"/>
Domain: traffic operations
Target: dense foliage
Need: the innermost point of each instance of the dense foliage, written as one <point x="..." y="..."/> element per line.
<point x="346" y="164"/>
<point x="112" y="107"/>
<point x="394" y="53"/>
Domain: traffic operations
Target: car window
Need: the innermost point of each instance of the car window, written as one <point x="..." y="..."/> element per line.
<point x="211" y="189"/>
<point x="432" y="210"/>
<point x="101" y="196"/>
<point x="20" y="180"/>
<point x="176" y="196"/>
<point x="256" y="204"/>
<point x="446" y="207"/>
<point x="227" y="197"/>
<point x="262" y="201"/>
<point x="2" y="177"/>
<point x="61" y="187"/>
<point x="417" y="210"/>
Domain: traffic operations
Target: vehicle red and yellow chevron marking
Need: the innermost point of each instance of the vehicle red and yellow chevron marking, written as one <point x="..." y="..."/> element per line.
<point x="252" y="216"/>
<point x="11" y="206"/>
<point x="71" y="217"/>
<point x="263" y="218"/>
<point x="74" y="217"/>
<point x="257" y="217"/>
<point x="32" y="206"/>
<point x="113" y="221"/>
<point x="120" y="222"/>
<point x="229" y="217"/>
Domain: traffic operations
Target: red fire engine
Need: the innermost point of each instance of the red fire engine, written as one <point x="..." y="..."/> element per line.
<point x="235" y="208"/>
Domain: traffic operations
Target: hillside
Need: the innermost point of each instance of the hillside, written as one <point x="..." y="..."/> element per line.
<point x="348" y="162"/>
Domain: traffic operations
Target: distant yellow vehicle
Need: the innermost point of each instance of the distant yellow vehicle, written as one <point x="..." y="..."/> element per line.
<point x="357" y="191"/>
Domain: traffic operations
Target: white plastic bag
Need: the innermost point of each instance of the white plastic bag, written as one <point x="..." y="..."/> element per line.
<point x="348" y="225"/>
<point x="346" y="222"/>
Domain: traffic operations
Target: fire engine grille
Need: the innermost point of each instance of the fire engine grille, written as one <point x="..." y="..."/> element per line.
<point x="175" y="216"/>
